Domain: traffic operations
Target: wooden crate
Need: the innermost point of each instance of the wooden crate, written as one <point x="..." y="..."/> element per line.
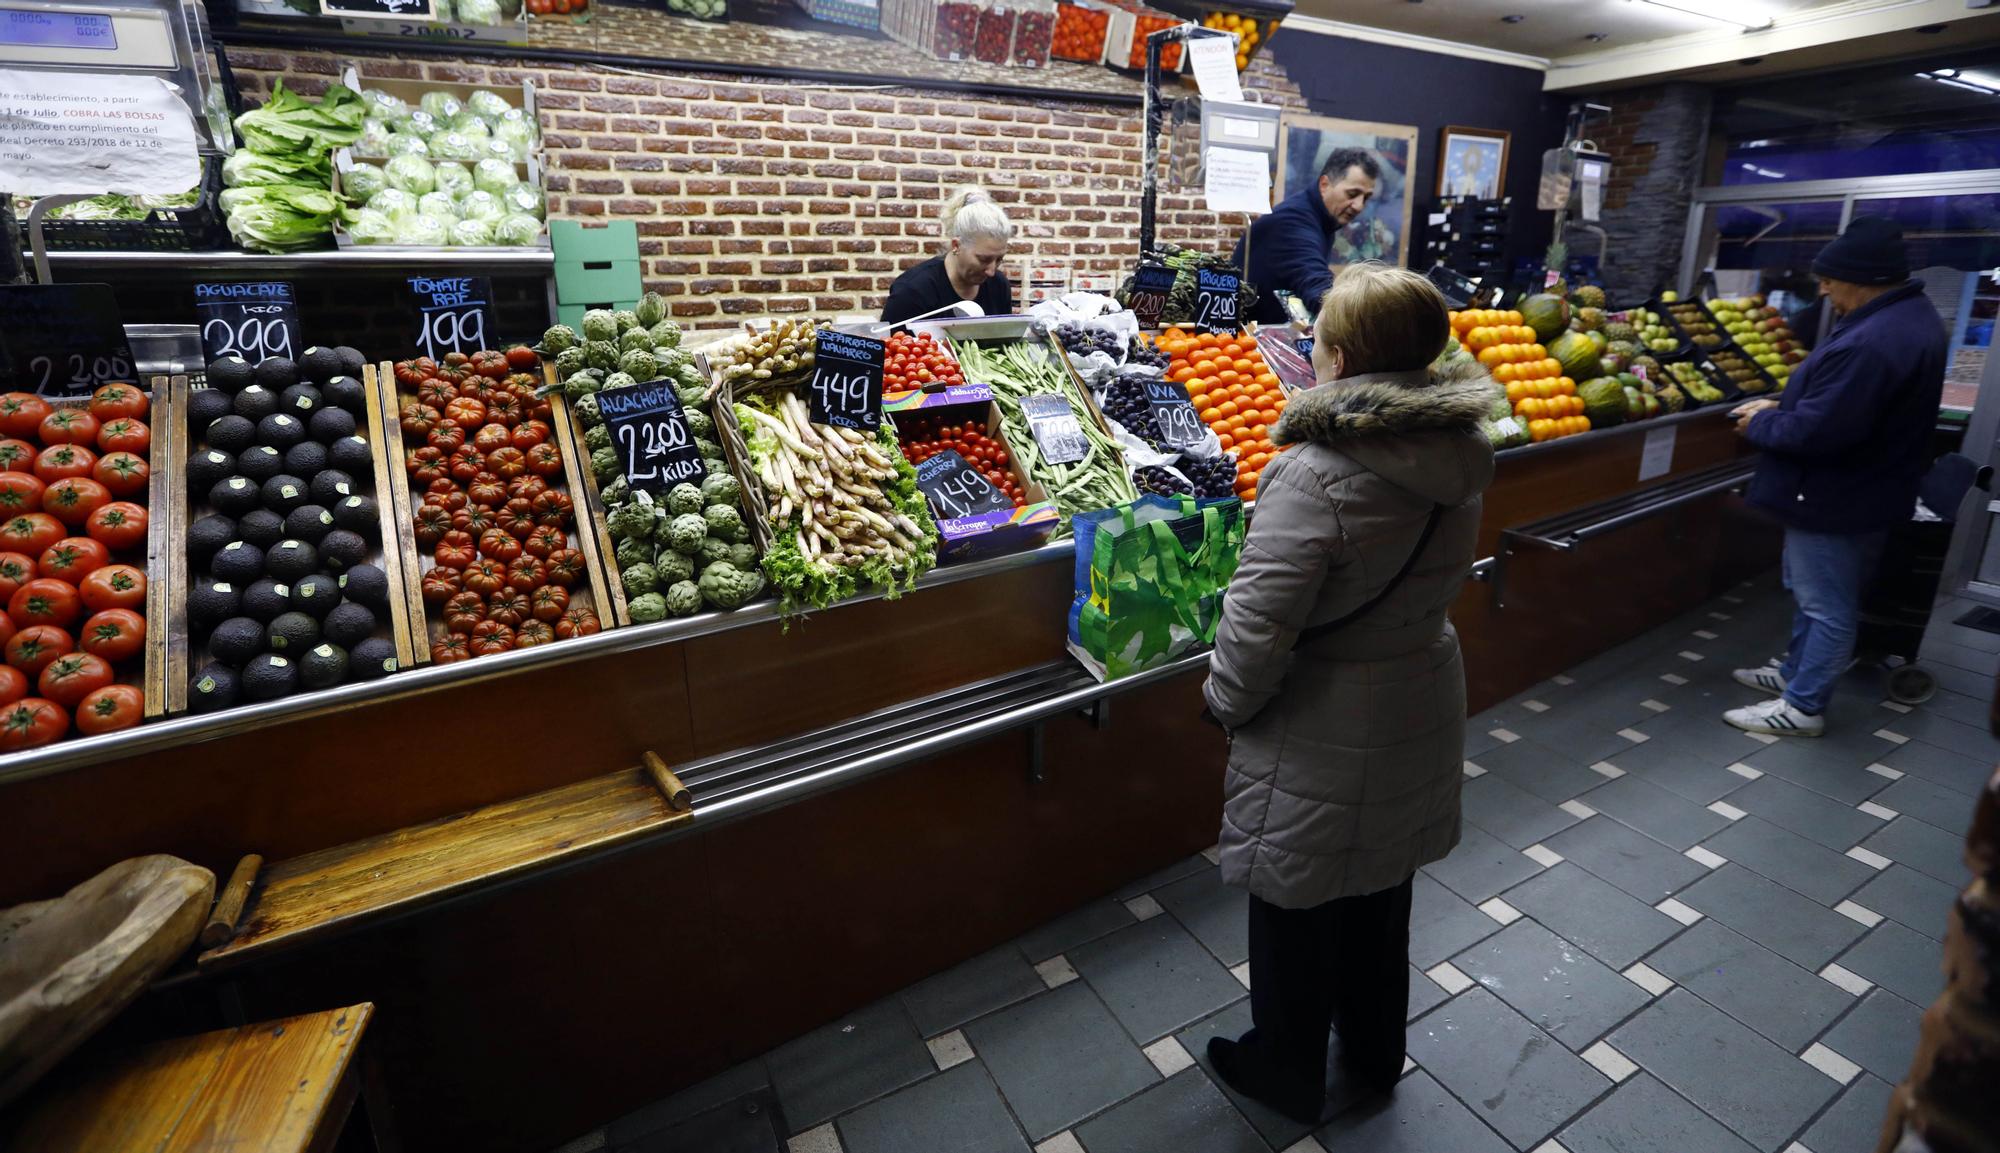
<point x="591" y="528"/>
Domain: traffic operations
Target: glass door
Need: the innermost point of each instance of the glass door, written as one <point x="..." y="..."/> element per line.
<point x="1954" y="244"/>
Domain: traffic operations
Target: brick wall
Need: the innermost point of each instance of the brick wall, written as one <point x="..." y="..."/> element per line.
<point x="1655" y="140"/>
<point x="760" y="197"/>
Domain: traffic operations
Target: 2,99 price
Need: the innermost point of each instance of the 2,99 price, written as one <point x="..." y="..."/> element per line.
<point x="1179" y="425"/>
<point x="253" y="338"/>
<point x="84" y="374"/>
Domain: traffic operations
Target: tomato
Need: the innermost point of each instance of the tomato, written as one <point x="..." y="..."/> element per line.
<point x="445" y="437"/>
<point x="553" y="508"/>
<point x="16" y="569"/>
<point x="509" y="462"/>
<point x="486" y="576"/>
<point x="31" y="649"/>
<point x="526" y="574"/>
<point x="565" y="567"/>
<point x="437" y="392"/>
<point x="125" y="435"/>
<point x="72" y="500"/>
<point x="465" y="463"/>
<point x="69" y="426"/>
<point x="31" y="722"/>
<point x="506" y="409"/>
<point x="442" y="584"/>
<point x="114" y="634"/>
<point x="528" y="434"/>
<point x="445" y="492"/>
<point x="122" y="473"/>
<point x="20" y="492"/>
<point x="13" y="684"/>
<point x="466" y="410"/>
<point x="31" y="533"/>
<point x="119" y="399"/>
<point x="426" y="465"/>
<point x="543" y="541"/>
<point x="120" y="525"/>
<point x="545" y="459"/>
<point x="417" y="418"/>
<point x="474" y="519"/>
<point x="22" y="413"/>
<point x="70" y="678"/>
<point x="64" y="460"/>
<point x="487" y="490"/>
<point x="7" y="630"/>
<point x="516" y="518"/>
<point x="16" y="455"/>
<point x="549" y="602"/>
<point x="532" y="633"/>
<point x="577" y="623"/>
<point x="492" y="436"/>
<point x="508" y="607"/>
<point x="450" y="649"/>
<point x="521" y="358"/>
<point x="526" y="487"/>
<point x="499" y="544"/>
<point x="411" y="373"/>
<point x="109" y="709"/>
<point x="464" y="610"/>
<point x="73" y="558"/>
<point x="430" y="524"/>
<point x="489" y="637"/>
<point x="46" y="601"/>
<point x="456" y="550"/>
<point x="476" y="387"/>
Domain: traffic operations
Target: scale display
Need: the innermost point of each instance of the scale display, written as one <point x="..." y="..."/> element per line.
<point x="57" y="30"/>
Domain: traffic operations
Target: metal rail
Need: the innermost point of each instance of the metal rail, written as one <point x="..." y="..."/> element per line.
<point x="1565" y="532"/>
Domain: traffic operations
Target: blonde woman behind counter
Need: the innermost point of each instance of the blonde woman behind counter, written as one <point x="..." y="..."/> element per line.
<point x="975" y="232"/>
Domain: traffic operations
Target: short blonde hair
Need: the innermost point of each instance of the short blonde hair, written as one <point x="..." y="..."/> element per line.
<point x="971" y="215"/>
<point x="1382" y="319"/>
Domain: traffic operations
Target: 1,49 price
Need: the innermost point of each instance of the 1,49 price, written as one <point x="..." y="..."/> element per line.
<point x="965" y="493"/>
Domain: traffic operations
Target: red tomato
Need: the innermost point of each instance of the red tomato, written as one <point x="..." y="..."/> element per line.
<point x="576" y="623"/>
<point x="16" y="569"/>
<point x="492" y="436"/>
<point x="21" y="413"/>
<point x="73" y="499"/>
<point x="73" y="558"/>
<point x="528" y="434"/>
<point x="31" y="649"/>
<point x="16" y="456"/>
<point x="45" y="601"/>
<point x="450" y="649"/>
<point x="466" y="412"/>
<point x="521" y="358"/>
<point x="64" y="460"/>
<point x="119" y="399"/>
<point x="6" y="630"/>
<point x="13" y="684"/>
<point x="109" y="709"/>
<point x="125" y="435"/>
<point x="20" y="492"/>
<point x="120" y="525"/>
<point x="70" y="678"/>
<point x="31" y="533"/>
<point x="115" y="586"/>
<point x="114" y="634"/>
<point x="123" y="473"/>
<point x="491" y="636"/>
<point x="69" y="426"/>
<point x="31" y="722"/>
<point x="545" y="459"/>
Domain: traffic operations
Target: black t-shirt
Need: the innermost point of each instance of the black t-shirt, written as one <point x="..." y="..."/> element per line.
<point x="927" y="287"/>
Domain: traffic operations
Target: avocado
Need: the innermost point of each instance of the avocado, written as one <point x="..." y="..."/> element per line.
<point x="290" y="561"/>
<point x="366" y="584"/>
<point x="323" y="666"/>
<point x="231" y="374"/>
<point x="206" y="535"/>
<point x="315" y="593"/>
<point x="214" y="687"/>
<point x="209" y="603"/>
<point x="283" y="493"/>
<point x="350" y="454"/>
<point x="268" y="677"/>
<point x="358" y="514"/>
<point x="265" y="600"/>
<point x="231" y="433"/>
<point x="237" y="562"/>
<point x="235" y="496"/>
<point x="293" y="632"/>
<point x="235" y="641"/>
<point x="329" y="487"/>
<point x="309" y="523"/>
<point x="281" y="430"/>
<point x="206" y="405"/>
<point x="346" y="393"/>
<point x="351" y="360"/>
<point x="207" y="467"/>
<point x="261" y="527"/>
<point x="330" y="424"/>
<point x="320" y="363"/>
<point x="301" y="400"/>
<point x="374" y="657"/>
<point x="277" y="373"/>
<point x="342" y="550"/>
<point x="305" y="458"/>
<point x="348" y="624"/>
<point x="260" y="462"/>
<point x="255" y="403"/>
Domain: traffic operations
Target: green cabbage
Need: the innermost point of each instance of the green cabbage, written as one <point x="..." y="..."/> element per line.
<point x="406" y="144"/>
<point x="393" y="203"/>
<point x="453" y="178"/>
<point x="438" y="204"/>
<point x="412" y="174"/>
<point x="369" y="226"/>
<point x="360" y="183"/>
<point x="472" y="233"/>
<point x="440" y="105"/>
<point x="517" y="230"/>
<point x="454" y="146"/>
<point x="493" y="175"/>
<point x="424" y="231"/>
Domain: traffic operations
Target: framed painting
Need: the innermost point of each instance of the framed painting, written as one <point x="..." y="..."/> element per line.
<point x="1472" y="162"/>
<point x="1384" y="153"/>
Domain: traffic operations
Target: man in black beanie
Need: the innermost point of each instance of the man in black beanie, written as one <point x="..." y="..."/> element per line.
<point x="1843" y="452"/>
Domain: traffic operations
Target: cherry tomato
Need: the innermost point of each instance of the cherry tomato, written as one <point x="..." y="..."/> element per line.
<point x="120" y="524"/>
<point x="32" y="722"/>
<point x="69" y="426"/>
<point x="73" y="676"/>
<point x="13" y="684"/>
<point x="64" y="460"/>
<point x="21" y="413"/>
<point x="119" y="399"/>
<point x="115" y="586"/>
<point x="125" y="435"/>
<point x="73" y="558"/>
<point x="31" y="649"/>
<point x="122" y="473"/>
<point x="109" y="709"/>
<point x="114" y="634"/>
<point x="73" y="499"/>
<point x="30" y="533"/>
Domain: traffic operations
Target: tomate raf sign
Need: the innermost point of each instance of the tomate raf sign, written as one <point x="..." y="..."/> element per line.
<point x="847" y="380"/>
<point x="61" y="339"/>
<point x="252" y="320"/>
<point x="649" y="432"/>
<point x="454" y="314"/>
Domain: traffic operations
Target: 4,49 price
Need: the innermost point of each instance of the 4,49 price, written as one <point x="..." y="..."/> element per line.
<point x="84" y="374"/>
<point x="847" y="398"/>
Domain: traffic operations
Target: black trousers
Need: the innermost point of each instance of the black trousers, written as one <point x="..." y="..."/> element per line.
<point x="1344" y="966"/>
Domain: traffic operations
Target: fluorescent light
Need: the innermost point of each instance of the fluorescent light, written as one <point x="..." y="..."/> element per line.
<point x="1947" y="76"/>
<point x="1744" y="17"/>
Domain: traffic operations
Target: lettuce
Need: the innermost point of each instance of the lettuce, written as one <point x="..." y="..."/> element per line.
<point x="393" y="203"/>
<point x="438" y="203"/>
<point x="406" y="144"/>
<point x="362" y="182"/>
<point x="481" y="205"/>
<point x="454" y="178"/>
<point x="472" y="234"/>
<point x="412" y="174"/>
<point x="517" y="229"/>
<point x="494" y="176"/>
<point x="454" y="146"/>
<point x="369" y="226"/>
<point x="489" y="106"/>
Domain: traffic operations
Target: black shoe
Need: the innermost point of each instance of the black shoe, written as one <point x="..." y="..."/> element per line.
<point x="1243" y="1068"/>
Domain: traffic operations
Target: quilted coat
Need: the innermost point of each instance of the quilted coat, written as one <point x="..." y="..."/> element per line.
<point x="1346" y="752"/>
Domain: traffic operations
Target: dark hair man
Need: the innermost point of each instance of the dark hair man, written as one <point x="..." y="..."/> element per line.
<point x="1291" y="246"/>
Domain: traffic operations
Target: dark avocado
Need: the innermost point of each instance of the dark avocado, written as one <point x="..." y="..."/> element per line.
<point x="206" y="535"/>
<point x="323" y="666"/>
<point x="206" y="405"/>
<point x="309" y="523"/>
<point x="315" y="593"/>
<point x="320" y="363"/>
<point x="351" y="360"/>
<point x="260" y="462"/>
<point x="214" y="687"/>
<point x="237" y="562"/>
<point x="329" y="487"/>
<point x="350" y="454"/>
<point x="348" y="624"/>
<point x="301" y="400"/>
<point x="230" y="374"/>
<point x="207" y="467"/>
<point x="372" y="658"/>
<point x="268" y="677"/>
<point x="209" y="603"/>
<point x="283" y="493"/>
<point x="265" y="600"/>
<point x="366" y="584"/>
<point x="256" y="402"/>
<point x="306" y="458"/>
<point x="358" y="514"/>
<point x="277" y="373"/>
<point x="261" y="527"/>
<point x="281" y="430"/>
<point x="293" y="632"/>
<point x="235" y="641"/>
<point x="232" y="433"/>
<point x="347" y="393"/>
<point x="342" y="550"/>
<point x="290" y="561"/>
<point x="235" y="496"/>
<point x="330" y="424"/>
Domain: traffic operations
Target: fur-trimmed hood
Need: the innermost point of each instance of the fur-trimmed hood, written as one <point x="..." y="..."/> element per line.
<point x="1418" y="430"/>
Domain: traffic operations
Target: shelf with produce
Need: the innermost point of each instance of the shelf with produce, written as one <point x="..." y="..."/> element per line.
<point x="357" y="261"/>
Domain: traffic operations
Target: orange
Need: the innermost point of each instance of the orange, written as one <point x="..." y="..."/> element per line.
<point x="1228" y="442"/>
<point x="1232" y="349"/>
<point x="1228" y="376"/>
<point x="1268" y="415"/>
<point x="1247" y="341"/>
<point x="1210" y="415"/>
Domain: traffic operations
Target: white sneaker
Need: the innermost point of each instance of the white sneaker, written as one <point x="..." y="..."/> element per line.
<point x="1777" y="718"/>
<point x="1766" y="678"/>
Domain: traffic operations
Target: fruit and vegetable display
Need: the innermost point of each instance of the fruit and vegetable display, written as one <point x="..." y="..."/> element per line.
<point x="450" y="173"/>
<point x="619" y="348"/>
<point x="699" y="9"/>
<point x="1233" y="391"/>
<point x="1652" y="332"/>
<point x="923" y="435"/>
<point x="1760" y="331"/>
<point x="1743" y="373"/>
<point x="282" y="593"/>
<point x="1034" y="33"/>
<point x="1124" y="401"/>
<point x="1689" y="378"/>
<point x="1019" y="369"/>
<point x="781" y="351"/>
<point x="1080" y="32"/>
<point x="110" y="205"/>
<point x="279" y="184"/>
<point x="1249" y="33"/>
<point x="1186" y="262"/>
<point x="918" y="360"/>
<point x="1079" y="339"/>
<point x="1694" y="321"/>
<point x="74" y="486"/>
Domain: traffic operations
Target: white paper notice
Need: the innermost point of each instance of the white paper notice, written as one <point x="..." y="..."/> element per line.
<point x="1657" y="458"/>
<point x="1213" y="61"/>
<point x="90" y="133"/>
<point x="1238" y="180"/>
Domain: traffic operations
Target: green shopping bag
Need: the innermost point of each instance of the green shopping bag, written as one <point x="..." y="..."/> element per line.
<point x="1150" y="575"/>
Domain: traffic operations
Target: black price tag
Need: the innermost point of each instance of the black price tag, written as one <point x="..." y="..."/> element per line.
<point x="1459" y="290"/>
<point x="956" y="489"/>
<point x="1180" y="425"/>
<point x="62" y="339"/>
<point x="847" y="380"/>
<point x="1055" y="427"/>
<point x="455" y="314"/>
<point x="1151" y="284"/>
<point x="1215" y="298"/>
<point x="252" y="321"/>
<point x="380" y="9"/>
<point x="650" y="434"/>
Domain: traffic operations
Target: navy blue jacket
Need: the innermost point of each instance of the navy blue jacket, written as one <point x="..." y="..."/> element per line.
<point x="1847" y="446"/>
<point x="1290" y="248"/>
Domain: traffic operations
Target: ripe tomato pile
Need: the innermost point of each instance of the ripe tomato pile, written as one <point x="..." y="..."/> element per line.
<point x="1080" y="32"/>
<point x="925" y="436"/>
<point x="914" y="361"/>
<point x="557" y="7"/>
<point x="73" y="490"/>
<point x="481" y="456"/>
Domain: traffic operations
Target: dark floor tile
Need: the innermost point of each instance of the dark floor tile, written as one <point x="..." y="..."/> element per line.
<point x="1186" y="1112"/>
<point x="1155" y="977"/>
<point x="1961" y="681"/>
<point x="1279" y="1131"/>
<point x="1512" y="1075"/>
<point x="1709" y="695"/>
<point x="1514" y="815"/>
<point x="1802" y="931"/>
<point x="1912" y="899"/>
<point x="1941" y="766"/>
<point x="1607" y="922"/>
<point x="1481" y="866"/>
<point x="852" y="1061"/>
<point x="1586" y="731"/>
<point x="1164" y="877"/>
<point x="1785" y="857"/>
<point x="1674" y="768"/>
<point x="1086" y="922"/>
<point x="1644" y="1116"/>
<point x="1441" y="924"/>
<point x="1657" y="812"/>
<point x="1752" y="984"/>
<point x="742" y="1081"/>
<point x="1853" y="1124"/>
<point x="1059" y="1058"/>
<point x="1932" y="803"/>
<point x="1217" y="915"/>
<point x="1811" y="815"/>
<point x="1925" y="848"/>
<point x="1420" y="1118"/>
<point x="1478" y="738"/>
<point x="1551" y="775"/>
<point x="1555" y="985"/>
<point x="959" y="1109"/>
<point x="1632" y="861"/>
<point x="1703" y="738"/>
<point x="746" y="1126"/>
<point x="1424" y="994"/>
<point x="1901" y="960"/>
<point x="1957" y="707"/>
<point x="1809" y="764"/>
<point x="1932" y="729"/>
<point x="1755" y="1088"/>
<point x="987" y="982"/>
<point x="1880" y="1035"/>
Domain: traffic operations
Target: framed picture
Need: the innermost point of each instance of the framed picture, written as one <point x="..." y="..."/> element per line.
<point x="1472" y="162"/>
<point x="1382" y="230"/>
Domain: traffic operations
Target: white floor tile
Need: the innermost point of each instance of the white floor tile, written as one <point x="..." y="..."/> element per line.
<point x="1634" y="735"/>
<point x="1706" y="858"/>
<point x="1535" y="706"/>
<point x="1896" y="707"/>
<point x="1727" y="811"/>
<point x="1409" y="1063"/>
<point x="1144" y="907"/>
<point x="1861" y="913"/>
<point x="1609" y="1061"/>
<point x="1056" y="971"/>
<point x="1797" y="1147"/>
<point x="1720" y="617"/>
<point x="821" y="1139"/>
<point x="1607" y="769"/>
<point x="1063" y="1142"/>
<point x="1762" y="738"/>
<point x="1674" y="679"/>
<point x="1656" y="706"/>
<point x="1542" y="855"/>
<point x="588" y="1143"/>
<point x="1563" y="679"/>
<point x="1830" y="1063"/>
<point x="1650" y="979"/>
<point x="1732" y="598"/>
<point x="1242" y="974"/>
<point x="1869" y="857"/>
<point x="1473" y="770"/>
<point x="1704" y="634"/>
<point x="1550" y="1146"/>
<point x="1501" y="911"/>
<point x="1853" y="982"/>
<point x="1886" y="771"/>
<point x="1449" y="978"/>
<point x="1678" y="911"/>
<point x="1883" y="812"/>
<point x="950" y="1049"/>
<point x="1505" y="736"/>
<point x="1578" y="809"/>
<point x="1745" y="771"/>
<point x="1213" y="853"/>
<point x="1691" y="655"/>
<point x="1167" y="1056"/>
<point x="1892" y="738"/>
<point x="1306" y="1145"/>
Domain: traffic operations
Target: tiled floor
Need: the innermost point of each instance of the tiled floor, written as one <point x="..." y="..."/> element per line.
<point x="1657" y="934"/>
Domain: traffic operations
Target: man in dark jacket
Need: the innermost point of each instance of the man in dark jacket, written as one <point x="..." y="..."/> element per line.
<point x="1291" y="248"/>
<point x="1843" y="453"/>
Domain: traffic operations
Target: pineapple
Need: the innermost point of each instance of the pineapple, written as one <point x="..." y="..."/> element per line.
<point x="1553" y="261"/>
<point x="1591" y="318"/>
<point x="1618" y="331"/>
<point x="1588" y="296"/>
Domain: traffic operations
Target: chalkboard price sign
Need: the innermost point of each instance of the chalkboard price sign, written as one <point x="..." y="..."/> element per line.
<point x="61" y="339"/>
<point x="379" y="9"/>
<point x="1055" y="428"/>
<point x="650" y="434"/>
<point x="1215" y="298"/>
<point x="1180" y="425"/>
<point x="955" y="488"/>
<point x="252" y="321"/>
<point x="454" y="314"/>
<point x="1151" y="285"/>
<point x="847" y="380"/>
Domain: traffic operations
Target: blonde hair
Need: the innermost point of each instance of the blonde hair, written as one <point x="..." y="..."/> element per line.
<point x="970" y="215"/>
<point x="1382" y="319"/>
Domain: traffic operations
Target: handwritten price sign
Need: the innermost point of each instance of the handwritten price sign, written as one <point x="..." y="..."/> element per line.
<point x="1180" y="425"/>
<point x="453" y="314"/>
<point x="1215" y="299"/>
<point x="252" y="321"/>
<point x="650" y="434"/>
<point x="1151" y="285"/>
<point x="956" y="490"/>
<point x="847" y="381"/>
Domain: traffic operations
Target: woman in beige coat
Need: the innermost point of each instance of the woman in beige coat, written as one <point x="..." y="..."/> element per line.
<point x="1347" y="742"/>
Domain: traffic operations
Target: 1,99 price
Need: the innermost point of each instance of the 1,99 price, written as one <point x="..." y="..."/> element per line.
<point x="452" y="331"/>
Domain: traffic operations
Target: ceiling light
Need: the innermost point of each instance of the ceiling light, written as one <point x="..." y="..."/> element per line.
<point x="1728" y="12"/>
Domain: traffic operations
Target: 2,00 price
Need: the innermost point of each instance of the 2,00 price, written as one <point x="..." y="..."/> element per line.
<point x="84" y="374"/>
<point x="451" y="331"/>
<point x="647" y="446"/>
<point x="1215" y="309"/>
<point x="253" y="339"/>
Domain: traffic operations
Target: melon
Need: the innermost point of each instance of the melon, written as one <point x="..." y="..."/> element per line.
<point x="1578" y="354"/>
<point x="1546" y="314"/>
<point x="1603" y="401"/>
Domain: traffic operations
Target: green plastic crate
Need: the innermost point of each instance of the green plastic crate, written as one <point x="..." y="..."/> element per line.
<point x="575" y="243"/>
<point x="580" y="283"/>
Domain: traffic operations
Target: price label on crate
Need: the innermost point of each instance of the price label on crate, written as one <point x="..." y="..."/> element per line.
<point x="649" y="432"/>
<point x="1180" y="425"/>
<point x="252" y="320"/>
<point x="454" y="314"/>
<point x="62" y="339"/>
<point x="1152" y="282"/>
<point x="847" y="380"/>
<point x="956" y="490"/>
<point x="1055" y="427"/>
<point x="1215" y="298"/>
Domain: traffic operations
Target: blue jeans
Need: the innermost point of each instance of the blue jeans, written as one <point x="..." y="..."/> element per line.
<point x="1828" y="574"/>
